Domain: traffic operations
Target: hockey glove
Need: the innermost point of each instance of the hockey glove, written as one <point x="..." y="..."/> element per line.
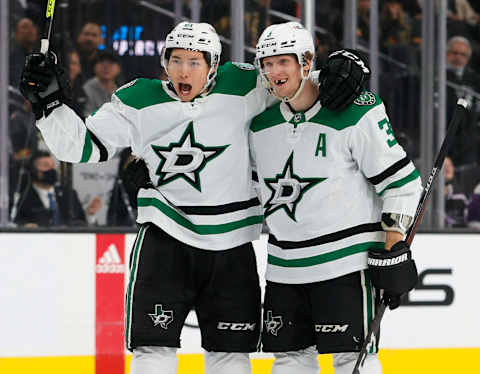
<point x="393" y="271"/>
<point x="135" y="175"/>
<point x="44" y="83"/>
<point x="342" y="79"/>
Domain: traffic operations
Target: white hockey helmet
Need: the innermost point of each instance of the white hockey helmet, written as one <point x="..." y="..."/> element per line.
<point x="282" y="39"/>
<point x="193" y="36"/>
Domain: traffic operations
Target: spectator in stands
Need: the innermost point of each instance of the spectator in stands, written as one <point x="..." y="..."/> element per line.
<point x="79" y="97"/>
<point x="463" y="82"/>
<point x="100" y="88"/>
<point x="43" y="203"/>
<point x="396" y="36"/>
<point x="363" y="20"/>
<point x="473" y="217"/>
<point x="88" y="41"/>
<point x="395" y="25"/>
<point x="462" y="18"/>
<point x="26" y="38"/>
<point x="455" y="201"/>
<point x="21" y="126"/>
<point x="255" y="20"/>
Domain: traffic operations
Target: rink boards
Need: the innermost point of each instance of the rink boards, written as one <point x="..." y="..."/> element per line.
<point x="62" y="307"/>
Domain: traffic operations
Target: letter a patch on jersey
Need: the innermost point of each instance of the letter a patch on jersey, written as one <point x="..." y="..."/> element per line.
<point x="184" y="159"/>
<point x="287" y="189"/>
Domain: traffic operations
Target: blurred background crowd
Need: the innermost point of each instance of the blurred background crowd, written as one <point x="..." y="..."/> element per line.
<point x="106" y="43"/>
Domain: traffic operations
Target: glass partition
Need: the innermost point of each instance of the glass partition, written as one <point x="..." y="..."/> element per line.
<point x="130" y="36"/>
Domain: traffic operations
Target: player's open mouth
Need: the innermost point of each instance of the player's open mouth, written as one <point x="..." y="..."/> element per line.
<point x="280" y="82"/>
<point x="185" y="89"/>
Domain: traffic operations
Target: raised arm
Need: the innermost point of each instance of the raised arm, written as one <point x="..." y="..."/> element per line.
<point x="69" y="138"/>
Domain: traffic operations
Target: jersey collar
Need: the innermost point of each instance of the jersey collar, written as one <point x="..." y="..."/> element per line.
<point x="298" y="117"/>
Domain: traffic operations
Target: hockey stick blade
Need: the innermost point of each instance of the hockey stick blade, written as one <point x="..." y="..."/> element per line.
<point x="458" y="117"/>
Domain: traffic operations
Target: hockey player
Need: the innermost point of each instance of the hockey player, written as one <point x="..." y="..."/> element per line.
<point x="334" y="186"/>
<point x="198" y="219"/>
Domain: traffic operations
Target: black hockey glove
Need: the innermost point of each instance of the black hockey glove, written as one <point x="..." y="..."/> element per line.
<point x="135" y="175"/>
<point x="393" y="271"/>
<point x="342" y="79"/>
<point x="44" y="83"/>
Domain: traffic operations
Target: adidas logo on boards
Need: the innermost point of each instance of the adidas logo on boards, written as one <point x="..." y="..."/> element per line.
<point x="110" y="262"/>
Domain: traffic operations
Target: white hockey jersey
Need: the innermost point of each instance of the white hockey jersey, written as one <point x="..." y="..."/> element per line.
<point x="325" y="179"/>
<point x="196" y="153"/>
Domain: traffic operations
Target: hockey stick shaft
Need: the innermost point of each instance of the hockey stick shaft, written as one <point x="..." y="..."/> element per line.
<point x="45" y="42"/>
<point x="458" y="117"/>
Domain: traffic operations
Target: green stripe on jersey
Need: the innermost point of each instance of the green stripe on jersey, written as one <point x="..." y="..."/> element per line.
<point x="269" y="118"/>
<point x="133" y="271"/>
<point x="142" y="93"/>
<point x="335" y="120"/>
<point x="347" y="118"/>
<point x="326" y="257"/>
<point x="234" y="80"/>
<point x="199" y="229"/>
<point x="401" y="182"/>
<point x="87" y="147"/>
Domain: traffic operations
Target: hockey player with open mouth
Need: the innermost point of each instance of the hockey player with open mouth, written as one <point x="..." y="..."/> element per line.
<point x="200" y="212"/>
<point x="336" y="188"/>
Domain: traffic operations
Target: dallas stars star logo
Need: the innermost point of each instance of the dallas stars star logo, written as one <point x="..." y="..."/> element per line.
<point x="273" y="323"/>
<point x="287" y="190"/>
<point x="184" y="159"/>
<point x="161" y="317"/>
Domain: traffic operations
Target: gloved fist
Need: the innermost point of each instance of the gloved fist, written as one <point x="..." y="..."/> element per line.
<point x="392" y="301"/>
<point x="393" y="271"/>
<point x="43" y="83"/>
<point x="342" y="79"/>
<point x="135" y="175"/>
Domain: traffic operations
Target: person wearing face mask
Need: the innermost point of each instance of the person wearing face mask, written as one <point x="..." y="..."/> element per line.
<point x="43" y="202"/>
<point x="463" y="82"/>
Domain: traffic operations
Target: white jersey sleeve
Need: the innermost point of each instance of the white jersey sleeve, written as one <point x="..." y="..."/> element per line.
<point x="384" y="162"/>
<point x="110" y="128"/>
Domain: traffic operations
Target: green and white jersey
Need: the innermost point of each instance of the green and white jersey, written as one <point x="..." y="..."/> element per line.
<point x="196" y="152"/>
<point x="325" y="178"/>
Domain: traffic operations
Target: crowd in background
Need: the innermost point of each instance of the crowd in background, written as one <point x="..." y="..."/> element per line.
<point x="89" y="41"/>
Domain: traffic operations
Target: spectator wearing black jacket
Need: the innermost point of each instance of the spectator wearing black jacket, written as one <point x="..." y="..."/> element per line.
<point x="26" y="38"/>
<point x="463" y="82"/>
<point x="43" y="203"/>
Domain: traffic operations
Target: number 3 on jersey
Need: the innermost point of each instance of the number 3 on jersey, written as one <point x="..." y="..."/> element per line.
<point x="391" y="141"/>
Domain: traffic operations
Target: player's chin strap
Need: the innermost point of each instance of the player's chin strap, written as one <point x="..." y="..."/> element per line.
<point x="286" y="99"/>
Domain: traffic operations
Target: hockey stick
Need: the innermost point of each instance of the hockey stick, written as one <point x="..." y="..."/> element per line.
<point x="458" y="117"/>
<point x="45" y="42"/>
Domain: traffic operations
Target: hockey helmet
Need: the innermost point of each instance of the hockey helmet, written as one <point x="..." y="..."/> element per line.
<point x="193" y="36"/>
<point x="282" y="39"/>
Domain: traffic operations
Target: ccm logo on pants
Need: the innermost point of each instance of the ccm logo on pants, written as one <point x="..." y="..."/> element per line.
<point x="331" y="328"/>
<point x="236" y="326"/>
